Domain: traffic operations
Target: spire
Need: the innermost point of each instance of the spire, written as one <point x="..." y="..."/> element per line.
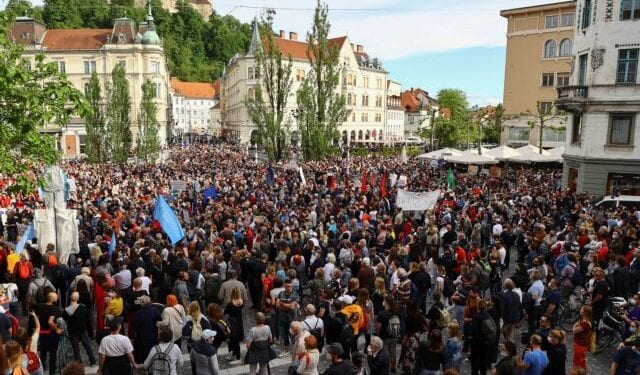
<point x="149" y="14"/>
<point x="255" y="38"/>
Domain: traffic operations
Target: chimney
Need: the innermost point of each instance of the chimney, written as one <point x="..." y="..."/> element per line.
<point x="359" y="48"/>
<point x="353" y="47"/>
<point x="293" y="36"/>
<point x="282" y="34"/>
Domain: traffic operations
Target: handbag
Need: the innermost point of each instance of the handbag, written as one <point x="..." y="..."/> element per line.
<point x="293" y="368"/>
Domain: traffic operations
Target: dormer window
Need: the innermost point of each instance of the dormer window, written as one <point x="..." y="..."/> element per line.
<point x="121" y="38"/>
<point x="25" y="35"/>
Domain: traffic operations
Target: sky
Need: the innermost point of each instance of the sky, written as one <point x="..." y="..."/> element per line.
<point x="431" y="44"/>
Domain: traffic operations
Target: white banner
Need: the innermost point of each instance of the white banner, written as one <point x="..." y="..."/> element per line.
<point x="67" y="227"/>
<point x="412" y="201"/>
<point x="178" y="186"/>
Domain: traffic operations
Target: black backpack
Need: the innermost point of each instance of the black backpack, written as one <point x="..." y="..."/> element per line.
<point x="59" y="275"/>
<point x="315" y="332"/>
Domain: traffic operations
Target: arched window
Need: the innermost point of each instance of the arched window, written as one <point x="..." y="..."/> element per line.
<point x="250" y="73"/>
<point x="349" y="97"/>
<point x="359" y="134"/>
<point x="251" y="94"/>
<point x="353" y="135"/>
<point x="550" y="49"/>
<point x="565" y="47"/>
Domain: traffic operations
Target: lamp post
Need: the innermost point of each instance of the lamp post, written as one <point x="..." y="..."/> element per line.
<point x="433" y="127"/>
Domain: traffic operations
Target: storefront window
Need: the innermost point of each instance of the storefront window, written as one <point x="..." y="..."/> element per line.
<point x="623" y="183"/>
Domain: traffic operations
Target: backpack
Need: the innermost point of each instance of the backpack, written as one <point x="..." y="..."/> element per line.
<point x="394" y="327"/>
<point x="225" y="329"/>
<point x="315" y="331"/>
<point x="52" y="260"/>
<point x="347" y="332"/>
<point x="488" y="329"/>
<point x="161" y="362"/>
<point x="561" y="262"/>
<point x="33" y="362"/>
<point x="483" y="279"/>
<point x="485" y="265"/>
<point x="449" y="289"/>
<point x="59" y="275"/>
<point x="576" y="278"/>
<point x="211" y="288"/>
<point x="24" y="272"/>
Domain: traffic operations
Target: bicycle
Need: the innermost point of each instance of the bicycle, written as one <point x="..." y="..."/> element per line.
<point x="570" y="309"/>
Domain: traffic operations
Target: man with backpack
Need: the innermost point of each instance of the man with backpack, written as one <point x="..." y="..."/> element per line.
<point x="569" y="274"/>
<point x="166" y="357"/>
<point x="483" y="336"/>
<point x="37" y="289"/>
<point x="314" y="325"/>
<point x="23" y="273"/>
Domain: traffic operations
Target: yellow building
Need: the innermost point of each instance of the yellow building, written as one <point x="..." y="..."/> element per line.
<point x="538" y="60"/>
<point x="80" y="52"/>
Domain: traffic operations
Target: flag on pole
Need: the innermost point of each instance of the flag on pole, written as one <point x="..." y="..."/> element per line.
<point x="363" y="186"/>
<point x="451" y="179"/>
<point x="168" y="220"/>
<point x="26" y="236"/>
<point x="270" y="176"/>
<point x="383" y="185"/>
<point x="304" y="180"/>
<point x="112" y="244"/>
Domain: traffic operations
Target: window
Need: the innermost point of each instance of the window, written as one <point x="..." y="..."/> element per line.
<point x="567" y="19"/>
<point x="251" y="94"/>
<point x="576" y="128"/>
<point x="349" y="97"/>
<point x="359" y="134"/>
<point x="378" y="117"/>
<point x="365" y="82"/>
<point x="586" y="14"/>
<point x="89" y="67"/>
<point x="378" y="101"/>
<point x="627" y="65"/>
<point x="365" y="100"/>
<point x="379" y="83"/>
<point x="349" y="79"/>
<point x="545" y="107"/>
<point x="519" y="134"/>
<point x="547" y="79"/>
<point x="83" y="143"/>
<point x="62" y="68"/>
<point x="86" y="89"/>
<point x="27" y="63"/>
<point x="156" y="90"/>
<point x="250" y="73"/>
<point x="550" y="49"/>
<point x="563" y="79"/>
<point x="582" y="69"/>
<point x="364" y="117"/>
<point x="565" y="47"/>
<point x="554" y="135"/>
<point x="620" y="129"/>
<point x="630" y="9"/>
<point x="299" y="75"/>
<point x="155" y="67"/>
<point x="550" y="22"/>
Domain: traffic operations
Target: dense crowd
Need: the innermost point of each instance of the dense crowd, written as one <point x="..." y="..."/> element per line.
<point x="328" y="265"/>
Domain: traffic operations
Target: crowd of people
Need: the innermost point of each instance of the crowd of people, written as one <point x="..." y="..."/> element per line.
<point x="314" y="262"/>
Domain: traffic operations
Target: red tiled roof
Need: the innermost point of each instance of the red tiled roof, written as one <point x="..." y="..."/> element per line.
<point x="298" y="50"/>
<point x="410" y="101"/>
<point x="74" y="39"/>
<point x="204" y="90"/>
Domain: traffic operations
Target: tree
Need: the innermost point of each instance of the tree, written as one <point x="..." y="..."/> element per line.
<point x="148" y="142"/>
<point x="62" y="14"/>
<point x="321" y="109"/>
<point x="543" y="116"/>
<point x="118" y="122"/>
<point x="460" y="120"/>
<point x="492" y="128"/>
<point x="33" y="96"/>
<point x="97" y="146"/>
<point x="16" y="8"/>
<point x="267" y="107"/>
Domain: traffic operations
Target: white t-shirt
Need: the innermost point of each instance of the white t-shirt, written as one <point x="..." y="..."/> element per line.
<point x="497" y="229"/>
<point x="312" y="322"/>
<point x="503" y="254"/>
<point x="115" y="346"/>
<point x="146" y="283"/>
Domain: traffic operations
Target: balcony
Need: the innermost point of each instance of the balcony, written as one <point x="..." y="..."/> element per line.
<point x="572" y="98"/>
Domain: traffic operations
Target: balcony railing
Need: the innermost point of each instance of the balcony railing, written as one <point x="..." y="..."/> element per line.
<point x="573" y="92"/>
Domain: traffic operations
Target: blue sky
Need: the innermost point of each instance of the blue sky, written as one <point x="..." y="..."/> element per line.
<point x="431" y="44"/>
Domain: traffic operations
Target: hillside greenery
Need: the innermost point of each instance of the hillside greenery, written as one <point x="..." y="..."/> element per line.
<point x="196" y="49"/>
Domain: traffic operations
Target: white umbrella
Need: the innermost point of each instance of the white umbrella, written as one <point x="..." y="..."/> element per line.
<point x="502" y="152"/>
<point x="468" y="157"/>
<point x="535" y="157"/>
<point x="558" y="151"/>
<point x="531" y="149"/>
<point x="444" y="153"/>
<point x="475" y="150"/>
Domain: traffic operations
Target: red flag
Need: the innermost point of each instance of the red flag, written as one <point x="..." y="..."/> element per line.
<point x="363" y="186"/>
<point x="383" y="185"/>
<point x="332" y="182"/>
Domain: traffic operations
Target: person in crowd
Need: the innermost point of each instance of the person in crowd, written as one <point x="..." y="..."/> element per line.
<point x="378" y="357"/>
<point x="431" y="355"/>
<point x="534" y="360"/>
<point x="164" y="348"/>
<point x="203" y="355"/>
<point x="116" y="352"/>
<point x="230" y="285"/>
<point x="337" y="366"/>
<point x="626" y="360"/>
<point x="287" y="303"/>
<point x="50" y="332"/>
<point x="556" y="353"/>
<point x="233" y="313"/>
<point x="314" y="325"/>
<point x="507" y="365"/>
<point x="582" y="337"/>
<point x="173" y="317"/>
<point x="14" y="358"/>
<point x="73" y="368"/>
<point x="76" y="316"/>
<point x="258" y="344"/>
<point x="511" y="307"/>
<point x="146" y="328"/>
<point x="195" y="322"/>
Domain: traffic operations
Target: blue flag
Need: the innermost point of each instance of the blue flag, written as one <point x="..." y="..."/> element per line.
<point x="28" y="235"/>
<point x="168" y="220"/>
<point x="270" y="176"/>
<point x="112" y="244"/>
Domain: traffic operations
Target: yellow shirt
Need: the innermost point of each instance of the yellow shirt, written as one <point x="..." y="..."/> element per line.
<point x="115" y="306"/>
<point x="12" y="260"/>
<point x="349" y="310"/>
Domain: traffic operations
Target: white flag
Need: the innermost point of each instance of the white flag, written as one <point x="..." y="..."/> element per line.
<point x="304" y="181"/>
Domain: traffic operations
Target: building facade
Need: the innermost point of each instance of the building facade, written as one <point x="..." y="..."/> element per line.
<point x="192" y="103"/>
<point x="80" y="52"/>
<point x="538" y="60"/>
<point x="420" y="110"/>
<point x="394" y="129"/>
<point x="602" y="152"/>
<point x="363" y="83"/>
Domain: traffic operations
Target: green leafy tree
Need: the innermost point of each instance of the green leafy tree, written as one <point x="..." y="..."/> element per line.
<point x="148" y="141"/>
<point x="492" y="128"/>
<point x="32" y="97"/>
<point x="460" y="120"/>
<point x="96" y="146"/>
<point x="267" y="107"/>
<point x="63" y="14"/>
<point x="16" y="8"/>
<point x="321" y="109"/>
<point x="544" y="117"/>
<point x="118" y="121"/>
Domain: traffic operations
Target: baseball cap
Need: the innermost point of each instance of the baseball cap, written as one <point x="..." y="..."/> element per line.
<point x="346" y="299"/>
<point x="207" y="334"/>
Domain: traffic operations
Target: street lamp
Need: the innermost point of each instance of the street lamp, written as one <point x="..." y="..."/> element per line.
<point x="433" y="126"/>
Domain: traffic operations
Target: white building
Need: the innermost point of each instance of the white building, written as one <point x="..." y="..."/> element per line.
<point x="420" y="110"/>
<point x="604" y="99"/>
<point x="395" y="113"/>
<point x="362" y="82"/>
<point x="192" y="103"/>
